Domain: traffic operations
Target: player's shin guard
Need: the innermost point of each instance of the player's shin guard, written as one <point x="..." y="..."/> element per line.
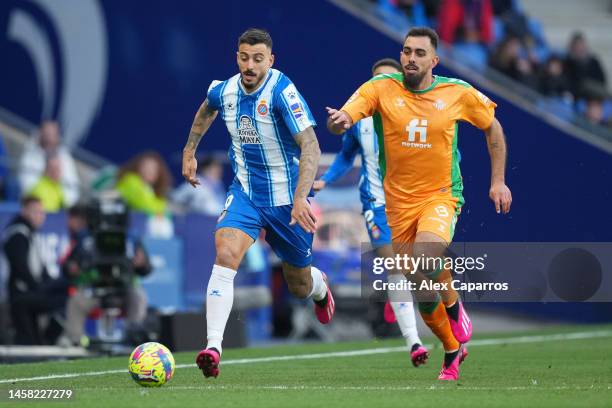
<point x="434" y="315"/>
<point x="401" y="302"/>
<point x="219" y="300"/>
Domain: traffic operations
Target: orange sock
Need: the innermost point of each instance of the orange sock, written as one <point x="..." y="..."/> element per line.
<point x="437" y="321"/>
<point x="450" y="295"/>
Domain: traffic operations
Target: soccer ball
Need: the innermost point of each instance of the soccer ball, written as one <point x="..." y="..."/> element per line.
<point x="151" y="365"/>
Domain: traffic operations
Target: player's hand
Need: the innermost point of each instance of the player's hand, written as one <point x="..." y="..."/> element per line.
<point x="338" y="121"/>
<point x="302" y="214"/>
<point x="501" y="196"/>
<point x="318" y="185"/>
<point x="190" y="165"/>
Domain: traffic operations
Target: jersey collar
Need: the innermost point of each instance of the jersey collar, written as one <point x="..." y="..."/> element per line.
<point x="259" y="88"/>
<point x="429" y="88"/>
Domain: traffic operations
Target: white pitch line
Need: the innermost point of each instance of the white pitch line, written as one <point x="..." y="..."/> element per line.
<point x="368" y="388"/>
<point x="351" y="353"/>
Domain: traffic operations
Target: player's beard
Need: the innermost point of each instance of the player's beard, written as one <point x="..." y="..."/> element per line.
<point x="414" y="80"/>
<point x="254" y="84"/>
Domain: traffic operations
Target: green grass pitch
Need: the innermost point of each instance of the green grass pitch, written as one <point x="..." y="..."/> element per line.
<point x="566" y="366"/>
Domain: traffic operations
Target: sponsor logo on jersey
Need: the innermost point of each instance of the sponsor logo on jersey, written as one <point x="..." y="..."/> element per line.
<point x="399" y="102"/>
<point x="262" y="108"/>
<point x="247" y="132"/>
<point x="292" y="95"/>
<point x="483" y="98"/>
<point x="417" y="127"/>
<point x="297" y="110"/>
<point x="371" y="225"/>
<point x="230" y="106"/>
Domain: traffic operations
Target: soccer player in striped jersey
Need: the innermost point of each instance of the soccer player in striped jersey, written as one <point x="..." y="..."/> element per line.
<point x="416" y="116"/>
<point x="361" y="139"/>
<point x="274" y="154"/>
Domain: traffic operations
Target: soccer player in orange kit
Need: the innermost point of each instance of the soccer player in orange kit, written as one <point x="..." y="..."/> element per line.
<point x="415" y="115"/>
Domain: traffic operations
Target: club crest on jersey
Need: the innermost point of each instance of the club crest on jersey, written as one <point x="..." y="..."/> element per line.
<point x="247" y="132"/>
<point x="439" y="104"/>
<point x="262" y="108"/>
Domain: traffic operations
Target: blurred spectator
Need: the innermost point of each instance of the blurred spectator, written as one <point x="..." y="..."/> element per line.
<point x="207" y="198"/>
<point x="501" y="7"/>
<point x="508" y="60"/>
<point x="143" y="183"/>
<point x="432" y="8"/>
<point x="48" y="189"/>
<point x="469" y="21"/>
<point x="79" y="266"/>
<point x="594" y="111"/>
<point x="33" y="161"/>
<point x="553" y="81"/>
<point x="515" y="23"/>
<point x="4" y="169"/>
<point x="582" y="68"/>
<point x="414" y="10"/>
<point x="32" y="292"/>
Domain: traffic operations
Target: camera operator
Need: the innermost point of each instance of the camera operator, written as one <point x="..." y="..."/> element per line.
<point x="32" y="291"/>
<point x="93" y="287"/>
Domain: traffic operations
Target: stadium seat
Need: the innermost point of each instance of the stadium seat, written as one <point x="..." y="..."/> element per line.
<point x="499" y="31"/>
<point x="473" y="55"/>
<point x="541" y="48"/>
<point x="557" y="106"/>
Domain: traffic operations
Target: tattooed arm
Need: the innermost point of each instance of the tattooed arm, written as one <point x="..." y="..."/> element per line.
<point x="496" y="145"/>
<point x="309" y="163"/>
<point x="202" y="121"/>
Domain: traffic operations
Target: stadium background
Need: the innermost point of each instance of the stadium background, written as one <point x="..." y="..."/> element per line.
<point x="122" y="77"/>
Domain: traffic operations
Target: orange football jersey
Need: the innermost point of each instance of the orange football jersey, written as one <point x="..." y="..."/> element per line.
<point x="417" y="133"/>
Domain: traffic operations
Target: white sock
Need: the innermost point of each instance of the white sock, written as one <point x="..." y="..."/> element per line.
<point x="319" y="288"/>
<point x="219" y="300"/>
<point x="401" y="302"/>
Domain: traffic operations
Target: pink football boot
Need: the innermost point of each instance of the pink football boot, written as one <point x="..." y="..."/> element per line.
<point x="462" y="329"/>
<point x="208" y="361"/>
<point x="451" y="373"/>
<point x="389" y="313"/>
<point x="419" y="355"/>
<point x="325" y="313"/>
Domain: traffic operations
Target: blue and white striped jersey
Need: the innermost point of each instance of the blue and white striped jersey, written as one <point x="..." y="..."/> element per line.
<point x="360" y="139"/>
<point x="262" y="125"/>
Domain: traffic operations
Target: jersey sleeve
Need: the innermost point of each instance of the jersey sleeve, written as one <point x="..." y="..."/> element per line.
<point x="477" y="109"/>
<point x="214" y="95"/>
<point x="343" y="162"/>
<point x="292" y="107"/>
<point x="362" y="103"/>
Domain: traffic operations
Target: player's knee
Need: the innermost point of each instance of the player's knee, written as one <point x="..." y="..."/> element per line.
<point x="432" y="254"/>
<point x="300" y="288"/>
<point x="227" y="256"/>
